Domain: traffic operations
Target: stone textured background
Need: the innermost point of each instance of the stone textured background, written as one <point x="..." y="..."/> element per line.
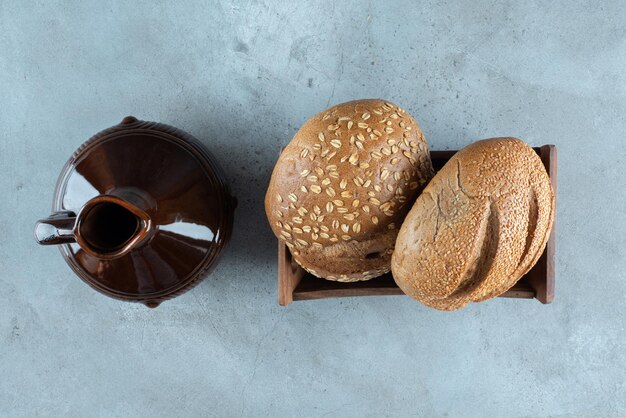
<point x="242" y="76"/>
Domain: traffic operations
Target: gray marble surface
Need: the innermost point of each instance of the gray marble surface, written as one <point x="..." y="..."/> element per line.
<point x="242" y="76"/>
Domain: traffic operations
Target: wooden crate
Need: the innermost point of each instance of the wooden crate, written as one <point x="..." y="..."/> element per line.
<point x="295" y="283"/>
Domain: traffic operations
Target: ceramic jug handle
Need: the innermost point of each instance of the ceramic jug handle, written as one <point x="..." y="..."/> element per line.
<point x="58" y="228"/>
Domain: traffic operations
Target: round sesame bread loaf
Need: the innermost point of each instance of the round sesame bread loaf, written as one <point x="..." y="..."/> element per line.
<point x="343" y="185"/>
<point x="477" y="228"/>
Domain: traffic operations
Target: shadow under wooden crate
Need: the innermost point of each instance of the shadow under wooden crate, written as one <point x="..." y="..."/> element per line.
<point x="295" y="283"/>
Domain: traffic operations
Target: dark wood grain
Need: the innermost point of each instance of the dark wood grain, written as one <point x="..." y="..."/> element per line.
<point x="294" y="283"/>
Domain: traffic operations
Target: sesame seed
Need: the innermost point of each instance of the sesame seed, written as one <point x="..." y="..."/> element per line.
<point x="365" y="208"/>
<point x="316" y="189"/>
<point x="293" y="197"/>
<point x="375" y="220"/>
<point x="365" y="116"/>
<point x="356" y="227"/>
<point x="279" y="198"/>
<point x="355" y="203"/>
<point x="346" y="193"/>
<point x="326" y="182"/>
<point x="345" y="228"/>
<point x="346" y="237"/>
<point x="297" y="219"/>
<point x="350" y="124"/>
<point x="330" y="192"/>
<point x="374" y="201"/>
<point x="362" y="125"/>
<point x="333" y="127"/>
<point x="278" y="213"/>
<point x="335" y="143"/>
<point x="343" y="183"/>
<point x="338" y="202"/>
<point x="304" y="153"/>
<point x="304" y="189"/>
<point x="297" y="230"/>
<point x="312" y="178"/>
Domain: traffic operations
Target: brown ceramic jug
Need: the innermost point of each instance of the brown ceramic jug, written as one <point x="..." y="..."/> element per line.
<point x="141" y="212"/>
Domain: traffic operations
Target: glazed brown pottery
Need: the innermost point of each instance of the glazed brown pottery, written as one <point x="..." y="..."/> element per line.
<point x="141" y="212"/>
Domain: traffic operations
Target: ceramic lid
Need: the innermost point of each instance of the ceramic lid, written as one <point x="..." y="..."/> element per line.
<point x="188" y="203"/>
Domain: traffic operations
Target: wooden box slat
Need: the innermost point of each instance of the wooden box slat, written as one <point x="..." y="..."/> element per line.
<point x="295" y="283"/>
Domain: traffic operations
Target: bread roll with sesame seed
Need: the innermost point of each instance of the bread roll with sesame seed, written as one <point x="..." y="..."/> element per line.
<point x="343" y="185"/>
<point x="477" y="228"/>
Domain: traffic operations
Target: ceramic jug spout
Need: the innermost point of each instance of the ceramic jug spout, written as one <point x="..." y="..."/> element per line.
<point x="107" y="226"/>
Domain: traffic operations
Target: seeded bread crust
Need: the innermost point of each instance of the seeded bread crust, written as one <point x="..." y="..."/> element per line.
<point x="478" y="227"/>
<point x="341" y="188"/>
